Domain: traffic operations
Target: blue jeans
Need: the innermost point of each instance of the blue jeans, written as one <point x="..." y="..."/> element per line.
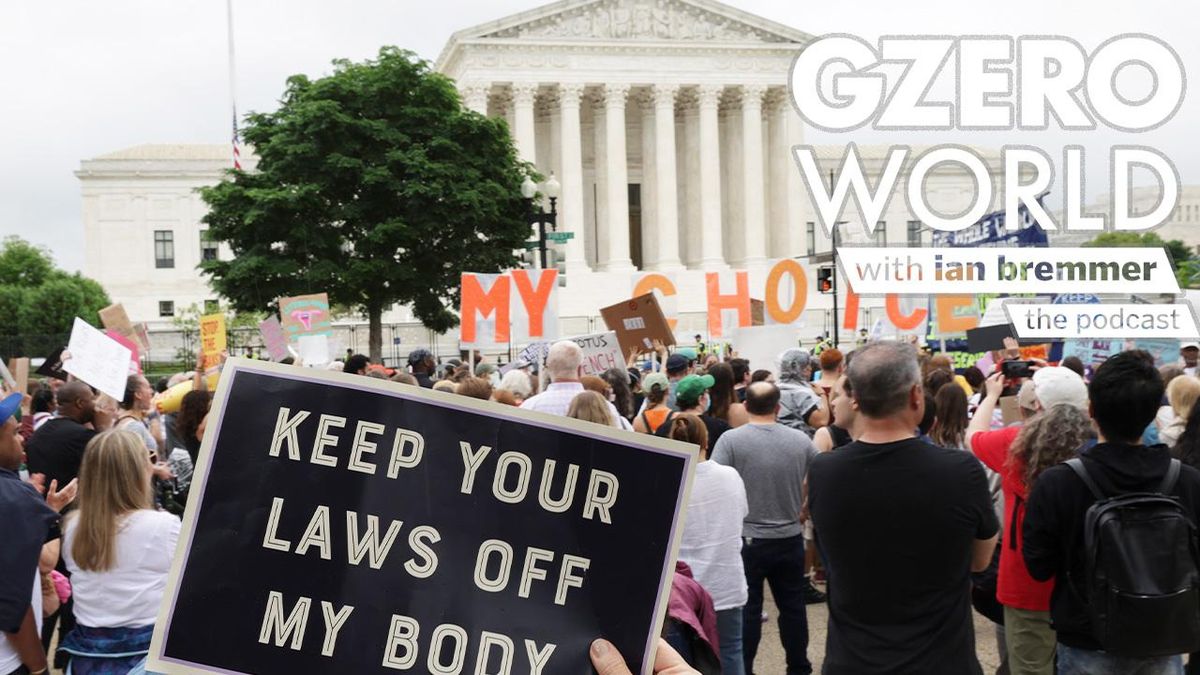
<point x="1073" y="661"/>
<point x="779" y="562"/>
<point x="729" y="627"/>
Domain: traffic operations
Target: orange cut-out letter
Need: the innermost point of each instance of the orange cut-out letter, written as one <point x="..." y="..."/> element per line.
<point x="739" y="300"/>
<point x="799" y="299"/>
<point x="899" y="320"/>
<point x="850" y="314"/>
<point x="493" y="302"/>
<point x="660" y="283"/>
<point x="535" y="299"/>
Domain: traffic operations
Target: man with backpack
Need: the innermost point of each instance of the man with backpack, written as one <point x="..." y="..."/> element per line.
<point x="1116" y="530"/>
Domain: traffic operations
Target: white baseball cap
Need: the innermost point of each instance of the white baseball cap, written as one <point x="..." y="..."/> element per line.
<point x="1189" y="345"/>
<point x="1054" y="384"/>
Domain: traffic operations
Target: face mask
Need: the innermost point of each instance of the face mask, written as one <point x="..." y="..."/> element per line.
<point x="707" y="405"/>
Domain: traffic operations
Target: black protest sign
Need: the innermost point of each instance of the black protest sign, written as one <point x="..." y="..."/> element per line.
<point x="52" y="366"/>
<point x="342" y="524"/>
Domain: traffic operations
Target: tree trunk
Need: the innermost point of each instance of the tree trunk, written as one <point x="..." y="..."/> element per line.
<point x="375" y="339"/>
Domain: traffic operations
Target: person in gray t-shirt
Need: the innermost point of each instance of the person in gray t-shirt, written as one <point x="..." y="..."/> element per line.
<point x="773" y="462"/>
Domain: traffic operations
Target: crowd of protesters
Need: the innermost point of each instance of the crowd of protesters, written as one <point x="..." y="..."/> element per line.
<point x="911" y="493"/>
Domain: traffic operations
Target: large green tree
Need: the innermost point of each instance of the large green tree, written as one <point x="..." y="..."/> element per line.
<point x="37" y="298"/>
<point x="1183" y="259"/>
<point x="374" y="185"/>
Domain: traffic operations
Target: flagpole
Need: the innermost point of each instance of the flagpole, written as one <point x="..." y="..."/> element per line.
<point x="237" y="163"/>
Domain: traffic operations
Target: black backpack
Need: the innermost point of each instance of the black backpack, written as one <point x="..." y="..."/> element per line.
<point x="1143" y="570"/>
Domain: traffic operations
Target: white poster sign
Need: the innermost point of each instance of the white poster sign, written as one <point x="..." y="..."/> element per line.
<point x="97" y="359"/>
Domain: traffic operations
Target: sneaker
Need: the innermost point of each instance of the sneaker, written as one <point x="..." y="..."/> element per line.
<point x="812" y="596"/>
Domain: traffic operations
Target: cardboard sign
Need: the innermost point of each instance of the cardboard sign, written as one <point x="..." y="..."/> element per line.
<point x="305" y="315"/>
<point x="273" y="338"/>
<point x="7" y="377"/>
<point x="115" y="319"/>
<point x="53" y="365"/>
<point x="344" y="525"/>
<point x="638" y="323"/>
<point x="212" y="335"/>
<point x="97" y="359"/>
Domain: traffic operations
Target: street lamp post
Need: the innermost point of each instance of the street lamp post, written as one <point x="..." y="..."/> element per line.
<point x="536" y="215"/>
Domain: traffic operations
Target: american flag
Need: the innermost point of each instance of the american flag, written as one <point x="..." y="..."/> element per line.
<point x="237" y="154"/>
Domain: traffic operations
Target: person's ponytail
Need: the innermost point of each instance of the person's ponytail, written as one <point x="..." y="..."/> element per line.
<point x="689" y="428"/>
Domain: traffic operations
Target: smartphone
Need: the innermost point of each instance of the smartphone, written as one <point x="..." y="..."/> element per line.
<point x="1016" y="369"/>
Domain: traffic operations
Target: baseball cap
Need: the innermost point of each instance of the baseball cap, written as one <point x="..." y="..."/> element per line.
<point x="1026" y="398"/>
<point x="418" y="355"/>
<point x="1189" y="345"/>
<point x="652" y="379"/>
<point x="690" y="388"/>
<point x="1054" y="384"/>
<point x="676" y="362"/>
<point x="9" y="406"/>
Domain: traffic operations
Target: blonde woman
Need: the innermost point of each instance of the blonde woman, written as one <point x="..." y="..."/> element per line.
<point x="590" y="406"/>
<point x="1182" y="393"/>
<point x="118" y="550"/>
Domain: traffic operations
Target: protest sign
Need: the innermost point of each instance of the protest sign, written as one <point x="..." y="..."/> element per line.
<point x="638" y="323"/>
<point x="1163" y="350"/>
<point x="212" y="335"/>
<point x="19" y="368"/>
<point x="1092" y="352"/>
<point x="762" y="345"/>
<point x="601" y="351"/>
<point x="7" y="377"/>
<point x="52" y="365"/>
<point x="314" y="350"/>
<point x="273" y="338"/>
<point x="305" y="315"/>
<point x="135" y="358"/>
<point x="115" y="318"/>
<point x="97" y="359"/>
<point x="345" y="525"/>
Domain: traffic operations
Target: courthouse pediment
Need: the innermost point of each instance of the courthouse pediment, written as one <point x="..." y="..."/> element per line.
<point x="637" y="20"/>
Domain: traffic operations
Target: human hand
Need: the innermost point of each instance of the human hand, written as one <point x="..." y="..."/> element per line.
<point x="994" y="386"/>
<point x="1012" y="350"/>
<point x="38" y="480"/>
<point x="103" y="417"/>
<point x="607" y="660"/>
<point x="58" y="499"/>
<point x="162" y="471"/>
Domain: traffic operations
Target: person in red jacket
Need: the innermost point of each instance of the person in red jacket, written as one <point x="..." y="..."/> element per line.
<point x="1019" y="453"/>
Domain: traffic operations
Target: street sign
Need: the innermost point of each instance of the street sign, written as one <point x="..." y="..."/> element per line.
<point x="531" y="245"/>
<point x="560" y="237"/>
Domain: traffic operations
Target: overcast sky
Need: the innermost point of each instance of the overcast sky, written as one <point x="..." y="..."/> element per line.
<point x="84" y="78"/>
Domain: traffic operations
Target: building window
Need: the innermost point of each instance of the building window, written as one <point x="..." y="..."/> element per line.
<point x="208" y="247"/>
<point x="164" y="249"/>
<point x="810" y="237"/>
<point x="211" y="306"/>
<point x="166" y="308"/>
<point x="881" y="233"/>
<point x="914" y="233"/>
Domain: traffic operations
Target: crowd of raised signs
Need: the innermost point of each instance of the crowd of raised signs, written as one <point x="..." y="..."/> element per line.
<point x="1058" y="501"/>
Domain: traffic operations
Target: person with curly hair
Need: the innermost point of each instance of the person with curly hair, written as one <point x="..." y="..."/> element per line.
<point x="1020" y="454"/>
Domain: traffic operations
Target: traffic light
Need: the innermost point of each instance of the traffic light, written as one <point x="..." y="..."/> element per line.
<point x="825" y="279"/>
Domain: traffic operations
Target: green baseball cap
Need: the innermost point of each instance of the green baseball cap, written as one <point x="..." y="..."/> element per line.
<point x="655" y="379"/>
<point x="690" y="388"/>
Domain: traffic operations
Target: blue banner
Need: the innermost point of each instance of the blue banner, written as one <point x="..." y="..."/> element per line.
<point x="990" y="232"/>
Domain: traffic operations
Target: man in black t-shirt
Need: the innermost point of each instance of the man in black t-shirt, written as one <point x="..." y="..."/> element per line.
<point x="901" y="525"/>
<point x="56" y="448"/>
